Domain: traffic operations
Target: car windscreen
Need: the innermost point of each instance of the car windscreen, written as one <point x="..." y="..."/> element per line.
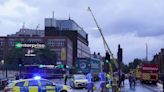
<point x="10" y="84"/>
<point x="79" y="77"/>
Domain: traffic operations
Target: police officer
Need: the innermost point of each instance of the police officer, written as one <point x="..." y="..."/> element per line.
<point x="17" y="76"/>
<point x="114" y="83"/>
<point x="109" y="82"/>
<point x="90" y="82"/>
<point x="102" y="78"/>
<point x="65" y="79"/>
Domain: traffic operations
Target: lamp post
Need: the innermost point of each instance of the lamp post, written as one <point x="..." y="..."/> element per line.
<point x="2" y="63"/>
<point x="146" y="52"/>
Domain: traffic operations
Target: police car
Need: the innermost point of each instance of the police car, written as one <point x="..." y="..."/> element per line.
<point x="36" y="84"/>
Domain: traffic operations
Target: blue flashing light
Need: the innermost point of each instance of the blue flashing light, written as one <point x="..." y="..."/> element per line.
<point x="41" y="66"/>
<point x="37" y="77"/>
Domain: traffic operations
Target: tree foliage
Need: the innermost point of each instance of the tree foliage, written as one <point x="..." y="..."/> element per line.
<point x="43" y="56"/>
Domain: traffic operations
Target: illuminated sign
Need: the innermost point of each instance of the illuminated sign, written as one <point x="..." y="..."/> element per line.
<point x="30" y="53"/>
<point x="36" y="46"/>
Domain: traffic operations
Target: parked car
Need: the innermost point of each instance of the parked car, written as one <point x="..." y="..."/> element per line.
<point x="78" y="80"/>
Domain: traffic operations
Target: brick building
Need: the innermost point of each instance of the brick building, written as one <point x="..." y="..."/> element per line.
<point x="159" y="59"/>
<point x="73" y="31"/>
<point x="60" y="44"/>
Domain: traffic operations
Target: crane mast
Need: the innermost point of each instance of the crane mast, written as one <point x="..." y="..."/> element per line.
<point x="104" y="41"/>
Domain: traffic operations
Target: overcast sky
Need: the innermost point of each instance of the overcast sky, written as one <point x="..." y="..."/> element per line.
<point x="131" y="23"/>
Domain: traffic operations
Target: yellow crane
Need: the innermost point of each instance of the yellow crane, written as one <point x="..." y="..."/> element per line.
<point x="107" y="49"/>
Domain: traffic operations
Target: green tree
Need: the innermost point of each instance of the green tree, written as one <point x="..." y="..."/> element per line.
<point x="14" y="55"/>
<point x="46" y="56"/>
<point x="43" y="56"/>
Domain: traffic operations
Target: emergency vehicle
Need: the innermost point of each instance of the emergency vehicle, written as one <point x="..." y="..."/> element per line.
<point x="149" y="73"/>
<point x="138" y="72"/>
<point x="45" y="71"/>
<point x="36" y="84"/>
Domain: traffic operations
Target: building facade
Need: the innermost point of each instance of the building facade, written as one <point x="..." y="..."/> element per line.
<point x="73" y="31"/>
<point x="25" y="32"/>
<point x="159" y="59"/>
<point x="61" y="45"/>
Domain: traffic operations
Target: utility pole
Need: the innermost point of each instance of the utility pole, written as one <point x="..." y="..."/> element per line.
<point x="119" y="59"/>
<point x="146" y="52"/>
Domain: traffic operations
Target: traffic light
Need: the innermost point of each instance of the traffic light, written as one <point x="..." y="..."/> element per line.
<point x="107" y="57"/>
<point x="119" y="54"/>
<point x="20" y="62"/>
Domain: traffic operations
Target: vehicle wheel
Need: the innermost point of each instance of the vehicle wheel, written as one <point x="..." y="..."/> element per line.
<point x="142" y="82"/>
<point x="72" y="85"/>
<point x="154" y="83"/>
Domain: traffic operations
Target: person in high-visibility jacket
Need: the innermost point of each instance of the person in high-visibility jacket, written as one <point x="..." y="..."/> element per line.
<point x="65" y="79"/>
<point x="114" y="83"/>
<point x="108" y="85"/>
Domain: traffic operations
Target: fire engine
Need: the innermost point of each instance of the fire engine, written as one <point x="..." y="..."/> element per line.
<point x="149" y="73"/>
<point x="138" y="72"/>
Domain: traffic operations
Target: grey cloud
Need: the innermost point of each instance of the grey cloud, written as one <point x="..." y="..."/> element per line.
<point x="140" y="28"/>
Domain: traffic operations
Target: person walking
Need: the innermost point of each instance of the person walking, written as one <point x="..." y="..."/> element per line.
<point x="109" y="81"/>
<point x="114" y="83"/>
<point x="65" y="79"/>
<point x="123" y="78"/>
<point x="102" y="78"/>
<point x="130" y="80"/>
<point x="17" y="76"/>
<point x="90" y="84"/>
<point x="133" y="79"/>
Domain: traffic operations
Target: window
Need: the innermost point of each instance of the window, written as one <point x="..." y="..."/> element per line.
<point x="20" y="84"/>
<point x="46" y="83"/>
<point x="33" y="83"/>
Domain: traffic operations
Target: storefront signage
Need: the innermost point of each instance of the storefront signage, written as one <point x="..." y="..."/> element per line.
<point x="25" y="45"/>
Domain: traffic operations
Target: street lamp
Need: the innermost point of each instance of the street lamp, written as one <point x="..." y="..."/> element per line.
<point x="3" y="62"/>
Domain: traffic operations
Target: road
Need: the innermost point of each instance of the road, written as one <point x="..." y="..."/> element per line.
<point x="139" y="87"/>
<point x="142" y="87"/>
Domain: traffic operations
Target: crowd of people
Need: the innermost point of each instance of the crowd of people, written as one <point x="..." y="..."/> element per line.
<point x="107" y="81"/>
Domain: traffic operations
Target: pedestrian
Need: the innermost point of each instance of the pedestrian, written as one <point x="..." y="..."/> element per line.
<point x="102" y="78"/>
<point x="130" y="80"/>
<point x="109" y="81"/>
<point x="134" y="79"/>
<point x="114" y="83"/>
<point x="65" y="79"/>
<point x="17" y="76"/>
<point x="123" y="78"/>
<point x="163" y="82"/>
<point x="90" y="84"/>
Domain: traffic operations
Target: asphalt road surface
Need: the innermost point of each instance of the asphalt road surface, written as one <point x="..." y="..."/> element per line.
<point x="138" y="88"/>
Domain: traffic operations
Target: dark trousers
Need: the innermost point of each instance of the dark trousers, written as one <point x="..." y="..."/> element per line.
<point x="65" y="82"/>
<point x="90" y="87"/>
<point x="103" y="86"/>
